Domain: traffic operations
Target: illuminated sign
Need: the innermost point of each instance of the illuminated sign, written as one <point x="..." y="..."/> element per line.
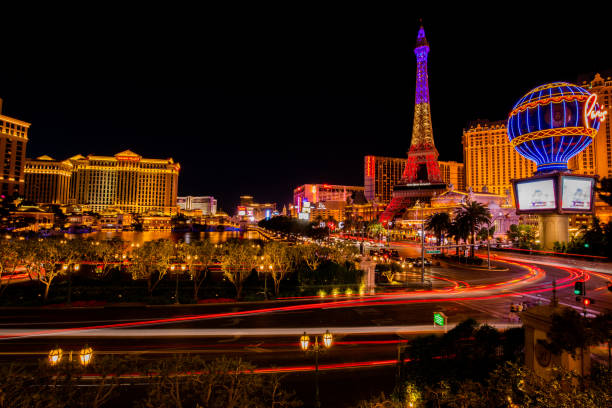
<point x="593" y="111"/>
<point x="576" y="193"/>
<point x="128" y="158"/>
<point x="439" y="319"/>
<point x="370" y="166"/>
<point x="536" y="195"/>
<point x="558" y="193"/>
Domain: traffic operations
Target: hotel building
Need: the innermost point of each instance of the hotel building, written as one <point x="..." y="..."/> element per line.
<point x="47" y="181"/>
<point x="13" y="140"/>
<point x="316" y="193"/>
<point x="206" y="204"/>
<point x="490" y="161"/>
<point x="453" y="172"/>
<point x="596" y="159"/>
<point x="382" y="173"/>
<point x="126" y="181"/>
<point x="250" y="211"/>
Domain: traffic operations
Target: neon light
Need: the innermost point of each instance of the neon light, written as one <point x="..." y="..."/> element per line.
<point x="560" y="138"/>
<point x="593" y="111"/>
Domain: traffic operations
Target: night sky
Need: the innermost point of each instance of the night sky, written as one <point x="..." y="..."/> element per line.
<point x="261" y="101"/>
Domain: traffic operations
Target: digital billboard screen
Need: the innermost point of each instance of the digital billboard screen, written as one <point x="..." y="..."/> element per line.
<point x="536" y="195"/>
<point x="576" y="193"/>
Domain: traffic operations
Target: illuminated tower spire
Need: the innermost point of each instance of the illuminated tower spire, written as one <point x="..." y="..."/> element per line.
<point x="421" y="129"/>
<point x="421" y="178"/>
<point x="422" y="164"/>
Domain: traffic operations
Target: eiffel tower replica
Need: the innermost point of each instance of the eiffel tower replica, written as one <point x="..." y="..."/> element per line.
<point x="421" y="178"/>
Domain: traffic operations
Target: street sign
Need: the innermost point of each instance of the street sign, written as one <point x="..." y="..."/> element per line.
<point x="439" y="319"/>
<point x="433" y="251"/>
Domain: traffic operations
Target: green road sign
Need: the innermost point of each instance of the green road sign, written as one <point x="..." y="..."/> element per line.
<point x="433" y="251"/>
<point x="439" y="319"/>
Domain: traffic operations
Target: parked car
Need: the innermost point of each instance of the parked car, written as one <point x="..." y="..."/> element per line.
<point x="417" y="263"/>
<point x="393" y="254"/>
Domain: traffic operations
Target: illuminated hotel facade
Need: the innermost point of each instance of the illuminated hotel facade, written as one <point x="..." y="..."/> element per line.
<point x="206" y="204"/>
<point x="382" y="173"/>
<point x="47" y="181"/>
<point x="490" y="161"/>
<point x="596" y="159"/>
<point x="125" y="181"/>
<point x="453" y="172"/>
<point x="316" y="193"/>
<point x="13" y="141"/>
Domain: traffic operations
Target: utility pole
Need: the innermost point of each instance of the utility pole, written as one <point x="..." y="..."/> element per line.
<point x="422" y="245"/>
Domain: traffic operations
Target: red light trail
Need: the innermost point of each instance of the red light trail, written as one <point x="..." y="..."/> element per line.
<point x="384" y="299"/>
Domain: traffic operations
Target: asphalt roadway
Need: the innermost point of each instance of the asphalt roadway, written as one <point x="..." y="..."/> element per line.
<point x="367" y="329"/>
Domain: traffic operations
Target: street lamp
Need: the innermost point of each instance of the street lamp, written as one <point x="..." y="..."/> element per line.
<point x="422" y="207"/>
<point x="327" y="340"/>
<point x="85" y="356"/>
<point x="55" y="356"/>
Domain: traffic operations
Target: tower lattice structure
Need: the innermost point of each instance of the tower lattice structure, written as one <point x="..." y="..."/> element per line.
<point x="421" y="178"/>
<point x="422" y="163"/>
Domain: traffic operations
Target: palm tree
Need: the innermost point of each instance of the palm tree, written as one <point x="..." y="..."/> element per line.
<point x="458" y="230"/>
<point x="439" y="223"/>
<point x="472" y="214"/>
<point x="376" y="229"/>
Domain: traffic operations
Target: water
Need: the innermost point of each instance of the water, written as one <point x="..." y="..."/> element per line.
<point x="139" y="237"/>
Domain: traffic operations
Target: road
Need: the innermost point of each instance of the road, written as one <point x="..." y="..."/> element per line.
<point x="367" y="328"/>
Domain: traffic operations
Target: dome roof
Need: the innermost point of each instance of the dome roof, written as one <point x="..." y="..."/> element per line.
<point x="552" y="90"/>
<point x="552" y="123"/>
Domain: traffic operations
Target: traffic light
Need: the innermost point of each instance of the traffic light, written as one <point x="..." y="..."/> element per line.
<point x="579" y="288"/>
<point x="587" y="301"/>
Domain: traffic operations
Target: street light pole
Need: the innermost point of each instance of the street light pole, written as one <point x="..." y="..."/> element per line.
<point x="488" y="253"/>
<point x="422" y="245"/>
<point x="316" y="347"/>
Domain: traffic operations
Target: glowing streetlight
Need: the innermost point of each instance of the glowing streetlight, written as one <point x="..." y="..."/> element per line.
<point x="55" y="356"/>
<point x="327" y="340"/>
<point x="85" y="356"/>
<point x="304" y="342"/>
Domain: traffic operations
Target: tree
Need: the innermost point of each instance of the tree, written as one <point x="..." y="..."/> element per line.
<point x="220" y="383"/>
<point x="602" y="332"/>
<point x="198" y="255"/>
<point x="605" y="190"/>
<point x="472" y="215"/>
<point x="282" y="258"/>
<point x="570" y="331"/>
<point x="151" y="262"/>
<point x="108" y="253"/>
<point x="9" y="261"/>
<point x="376" y="229"/>
<point x="44" y="259"/>
<point x="237" y="262"/>
<point x="25" y="384"/>
<point x="459" y="231"/>
<point x="311" y="254"/>
<point x="523" y="235"/>
<point x="439" y="223"/>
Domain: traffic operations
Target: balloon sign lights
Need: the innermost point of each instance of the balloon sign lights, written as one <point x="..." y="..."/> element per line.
<point x="554" y="122"/>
